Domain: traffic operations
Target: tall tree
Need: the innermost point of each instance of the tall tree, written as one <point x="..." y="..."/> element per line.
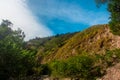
<point x="14" y="60"/>
<point x="114" y="9"/>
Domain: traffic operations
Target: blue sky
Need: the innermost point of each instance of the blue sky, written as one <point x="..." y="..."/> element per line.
<point x="41" y="18"/>
<point x="63" y="16"/>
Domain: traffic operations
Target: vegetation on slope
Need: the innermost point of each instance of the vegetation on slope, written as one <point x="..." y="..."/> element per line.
<point x="82" y="55"/>
<point x="49" y="45"/>
<point x="95" y="40"/>
<point x="85" y="66"/>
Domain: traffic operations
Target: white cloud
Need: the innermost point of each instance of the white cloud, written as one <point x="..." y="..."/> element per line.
<point x="70" y="12"/>
<point x="86" y="17"/>
<point x="79" y="15"/>
<point x="19" y="14"/>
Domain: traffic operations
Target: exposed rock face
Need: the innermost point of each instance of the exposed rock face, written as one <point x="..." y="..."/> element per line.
<point x="113" y="73"/>
<point x="117" y="41"/>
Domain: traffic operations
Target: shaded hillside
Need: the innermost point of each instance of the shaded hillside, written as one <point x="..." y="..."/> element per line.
<point x="48" y="42"/>
<point x="48" y="45"/>
<point x="97" y="39"/>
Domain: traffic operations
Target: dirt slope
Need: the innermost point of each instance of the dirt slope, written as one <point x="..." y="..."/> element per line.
<point x="113" y="73"/>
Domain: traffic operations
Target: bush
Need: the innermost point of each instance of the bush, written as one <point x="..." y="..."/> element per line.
<point x="58" y="68"/>
<point x="80" y="67"/>
<point x="75" y="67"/>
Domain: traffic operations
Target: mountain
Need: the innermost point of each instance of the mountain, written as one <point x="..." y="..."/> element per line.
<point x="95" y="40"/>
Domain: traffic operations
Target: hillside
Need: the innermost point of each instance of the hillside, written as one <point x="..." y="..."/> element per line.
<point x="95" y="40"/>
<point x="91" y="51"/>
<point x="48" y="45"/>
<point x="48" y="42"/>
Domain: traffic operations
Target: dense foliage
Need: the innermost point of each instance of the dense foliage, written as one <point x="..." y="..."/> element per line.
<point x="75" y="67"/>
<point x="14" y="60"/>
<point x="114" y="9"/>
<point x="84" y="66"/>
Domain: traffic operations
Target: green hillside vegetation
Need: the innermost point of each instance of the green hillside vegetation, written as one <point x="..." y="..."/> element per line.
<point x="95" y="40"/>
<point x="85" y="66"/>
<point x="48" y="45"/>
<point x="82" y="55"/>
<point x="57" y="40"/>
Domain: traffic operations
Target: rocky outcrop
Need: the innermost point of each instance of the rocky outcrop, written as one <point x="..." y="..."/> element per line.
<point x="113" y="73"/>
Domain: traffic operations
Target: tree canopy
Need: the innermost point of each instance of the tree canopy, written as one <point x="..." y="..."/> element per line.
<point x="14" y="60"/>
<point x="114" y="9"/>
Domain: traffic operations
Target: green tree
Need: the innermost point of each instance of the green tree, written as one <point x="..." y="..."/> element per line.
<point x="14" y="60"/>
<point x="58" y="68"/>
<point x="80" y="67"/>
<point x="114" y="9"/>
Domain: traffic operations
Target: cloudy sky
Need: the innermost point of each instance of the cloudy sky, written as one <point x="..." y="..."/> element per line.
<point x="49" y="17"/>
